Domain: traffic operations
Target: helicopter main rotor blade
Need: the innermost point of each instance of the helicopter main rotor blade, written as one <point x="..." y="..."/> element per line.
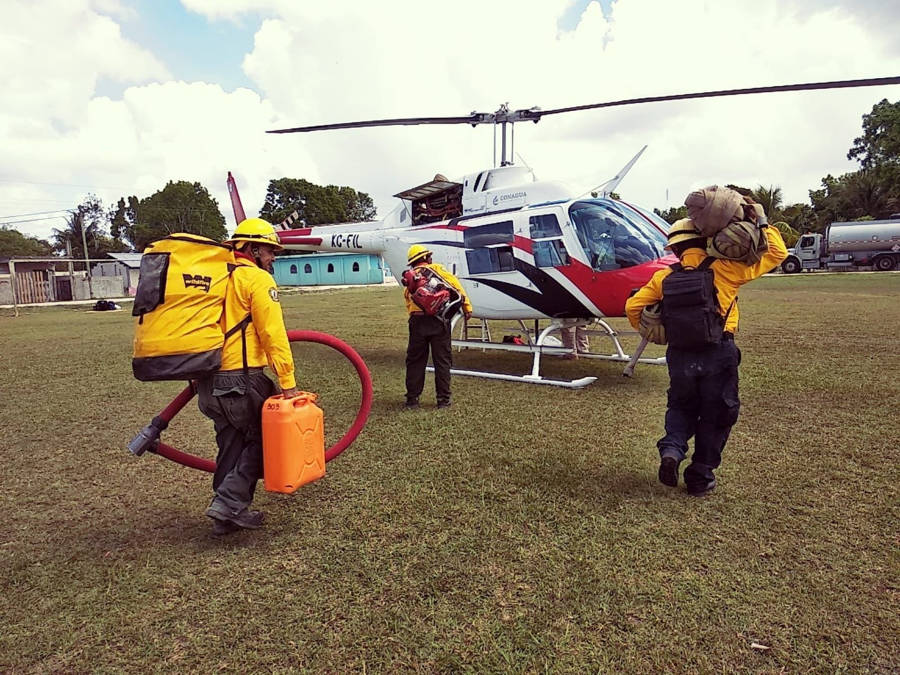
<point x="837" y="84"/>
<point x="504" y="115"/>
<point x="472" y="119"/>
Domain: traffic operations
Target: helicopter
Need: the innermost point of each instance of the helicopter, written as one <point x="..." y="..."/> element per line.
<point x="523" y="249"/>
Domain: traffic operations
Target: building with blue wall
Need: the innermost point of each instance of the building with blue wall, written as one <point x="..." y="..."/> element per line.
<point x="328" y="269"/>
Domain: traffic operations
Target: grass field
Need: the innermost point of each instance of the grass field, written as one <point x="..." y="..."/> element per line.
<point x="521" y="530"/>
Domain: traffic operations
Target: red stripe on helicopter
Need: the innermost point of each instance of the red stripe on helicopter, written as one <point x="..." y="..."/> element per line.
<point x="306" y="241"/>
<point x="458" y="228"/>
<point x="610" y="289"/>
<point x="521" y="243"/>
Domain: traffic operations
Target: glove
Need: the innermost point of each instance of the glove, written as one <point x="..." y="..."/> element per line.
<point x="651" y="326"/>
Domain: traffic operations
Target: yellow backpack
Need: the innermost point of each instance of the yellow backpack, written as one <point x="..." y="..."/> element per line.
<point x="179" y="304"/>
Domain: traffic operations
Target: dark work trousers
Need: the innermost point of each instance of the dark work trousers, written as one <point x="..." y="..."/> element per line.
<point x="702" y="402"/>
<point x="428" y="332"/>
<point x="236" y="410"/>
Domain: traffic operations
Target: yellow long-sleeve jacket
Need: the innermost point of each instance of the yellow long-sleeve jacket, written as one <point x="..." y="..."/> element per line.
<point x="729" y="275"/>
<point x="251" y="290"/>
<point x="447" y="276"/>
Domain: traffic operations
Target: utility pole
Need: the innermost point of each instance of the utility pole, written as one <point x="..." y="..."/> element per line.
<point x="79" y="218"/>
<point x="71" y="267"/>
<point x="14" y="286"/>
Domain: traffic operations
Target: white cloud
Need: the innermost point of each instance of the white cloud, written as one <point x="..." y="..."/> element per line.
<point x="341" y="61"/>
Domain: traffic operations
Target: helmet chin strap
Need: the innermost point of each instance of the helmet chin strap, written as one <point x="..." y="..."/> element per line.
<point x="254" y="251"/>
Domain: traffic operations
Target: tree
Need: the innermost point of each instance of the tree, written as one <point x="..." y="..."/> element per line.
<point x="874" y="190"/>
<point x="180" y="206"/>
<point x="122" y="217"/>
<point x="13" y="244"/>
<point x="770" y="199"/>
<point x="673" y="213"/>
<point x="315" y="204"/>
<point x="800" y="217"/>
<point x="788" y="233"/>
<point x="880" y="143"/>
<point x="854" y="196"/>
<point x="86" y="223"/>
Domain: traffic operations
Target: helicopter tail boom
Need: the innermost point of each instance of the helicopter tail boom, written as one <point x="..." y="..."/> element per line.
<point x="347" y="238"/>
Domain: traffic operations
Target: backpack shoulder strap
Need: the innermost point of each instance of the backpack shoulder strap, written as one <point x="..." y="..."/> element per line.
<point x="676" y="267"/>
<point x="707" y="261"/>
<point x="240" y="325"/>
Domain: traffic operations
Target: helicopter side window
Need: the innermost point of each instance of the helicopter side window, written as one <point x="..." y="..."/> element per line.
<point x="545" y="225"/>
<point x="488" y="235"/>
<point x="550" y="253"/>
<point x="489" y="260"/>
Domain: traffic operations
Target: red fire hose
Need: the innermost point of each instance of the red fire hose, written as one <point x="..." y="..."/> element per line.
<point x="145" y="440"/>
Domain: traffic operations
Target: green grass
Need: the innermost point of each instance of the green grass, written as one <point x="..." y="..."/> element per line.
<point x="521" y="530"/>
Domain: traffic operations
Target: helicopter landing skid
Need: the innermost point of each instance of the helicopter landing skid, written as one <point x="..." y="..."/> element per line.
<point x="580" y="383"/>
<point x="539" y="346"/>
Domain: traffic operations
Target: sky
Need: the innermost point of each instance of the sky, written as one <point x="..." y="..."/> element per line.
<point x="117" y="97"/>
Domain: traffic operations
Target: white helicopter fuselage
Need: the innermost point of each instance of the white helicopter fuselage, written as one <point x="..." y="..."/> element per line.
<point x="521" y="250"/>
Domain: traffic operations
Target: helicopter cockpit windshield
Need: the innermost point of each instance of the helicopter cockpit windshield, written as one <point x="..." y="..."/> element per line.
<point x="613" y="236"/>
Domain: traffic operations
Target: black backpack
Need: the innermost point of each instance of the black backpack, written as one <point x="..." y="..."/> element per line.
<point x="690" y="307"/>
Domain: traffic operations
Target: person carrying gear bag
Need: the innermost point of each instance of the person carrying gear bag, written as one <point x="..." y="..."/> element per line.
<point x="233" y="397"/>
<point x="700" y="322"/>
<point x="429" y="331"/>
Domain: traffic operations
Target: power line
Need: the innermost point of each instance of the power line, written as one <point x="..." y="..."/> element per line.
<point x="35" y="213"/>
<point x="32" y="220"/>
<point x="98" y="187"/>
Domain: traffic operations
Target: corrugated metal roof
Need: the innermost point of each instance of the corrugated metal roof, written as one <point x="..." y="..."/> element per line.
<point x="127" y="259"/>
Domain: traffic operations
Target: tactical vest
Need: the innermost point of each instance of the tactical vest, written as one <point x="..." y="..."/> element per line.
<point x="690" y="307"/>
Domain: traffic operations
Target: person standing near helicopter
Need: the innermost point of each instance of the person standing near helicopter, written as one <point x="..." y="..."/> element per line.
<point x="703" y="398"/>
<point x="233" y="397"/>
<point x="429" y="332"/>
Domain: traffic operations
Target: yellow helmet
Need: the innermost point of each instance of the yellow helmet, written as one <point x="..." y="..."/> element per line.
<point x="416" y="253"/>
<point x="255" y="231"/>
<point x="682" y="230"/>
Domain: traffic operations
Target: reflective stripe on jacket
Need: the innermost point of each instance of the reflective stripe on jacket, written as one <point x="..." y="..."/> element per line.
<point x="729" y="275"/>
<point x="251" y="290"/>
<point x="447" y="276"/>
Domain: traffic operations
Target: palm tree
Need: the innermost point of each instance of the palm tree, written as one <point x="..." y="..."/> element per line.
<point x="866" y="195"/>
<point x="770" y="199"/>
<point x="83" y="225"/>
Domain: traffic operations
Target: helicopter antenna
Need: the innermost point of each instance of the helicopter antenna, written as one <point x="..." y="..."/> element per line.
<point x="607" y="188"/>
<point x="522" y="159"/>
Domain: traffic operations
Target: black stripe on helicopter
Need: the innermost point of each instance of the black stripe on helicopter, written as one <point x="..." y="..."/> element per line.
<point x="550" y="298"/>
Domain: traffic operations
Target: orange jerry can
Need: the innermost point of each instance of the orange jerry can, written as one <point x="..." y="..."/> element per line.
<point x="293" y="434"/>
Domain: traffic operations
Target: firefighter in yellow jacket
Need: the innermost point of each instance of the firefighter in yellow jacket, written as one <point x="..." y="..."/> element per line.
<point x="233" y="397"/>
<point x="429" y="332"/>
<point x="703" y="398"/>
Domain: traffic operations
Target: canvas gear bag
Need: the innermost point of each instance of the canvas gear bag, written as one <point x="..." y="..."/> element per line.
<point x="753" y="212"/>
<point x="741" y="241"/>
<point x="690" y="307"/>
<point x="179" y="304"/>
<point x="713" y="207"/>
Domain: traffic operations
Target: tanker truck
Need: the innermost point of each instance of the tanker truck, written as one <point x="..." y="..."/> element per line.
<point x="847" y="246"/>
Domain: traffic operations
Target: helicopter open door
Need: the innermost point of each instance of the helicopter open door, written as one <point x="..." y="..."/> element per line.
<point x="436" y="200"/>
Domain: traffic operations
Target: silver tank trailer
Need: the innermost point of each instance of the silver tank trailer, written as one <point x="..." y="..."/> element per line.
<point x="874" y="235"/>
